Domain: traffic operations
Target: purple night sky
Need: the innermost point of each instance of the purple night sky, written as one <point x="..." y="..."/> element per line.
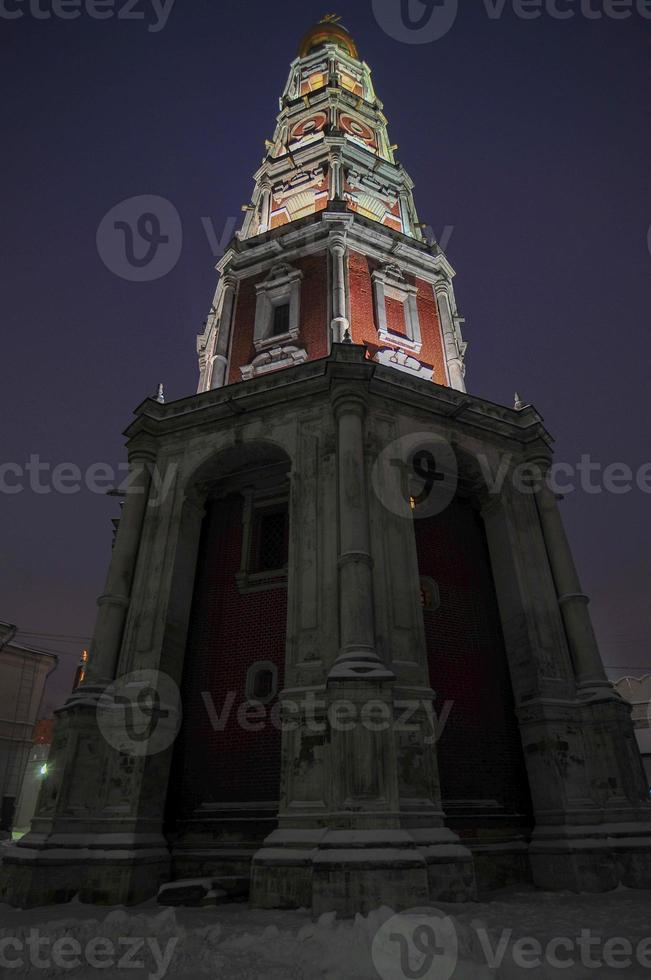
<point x="531" y="139"/>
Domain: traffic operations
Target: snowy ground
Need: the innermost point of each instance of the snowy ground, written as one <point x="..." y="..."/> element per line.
<point x="590" y="935"/>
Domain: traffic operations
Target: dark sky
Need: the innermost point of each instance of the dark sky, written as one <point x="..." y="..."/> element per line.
<point x="531" y="139"/>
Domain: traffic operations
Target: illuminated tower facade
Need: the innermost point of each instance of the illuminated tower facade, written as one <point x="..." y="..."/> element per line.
<point x="350" y="575"/>
<point x="290" y="287"/>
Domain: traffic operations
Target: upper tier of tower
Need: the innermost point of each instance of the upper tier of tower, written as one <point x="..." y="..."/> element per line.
<point x="331" y="249"/>
<point x="330" y="142"/>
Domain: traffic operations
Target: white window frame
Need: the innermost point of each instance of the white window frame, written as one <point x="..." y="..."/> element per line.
<point x="389" y="282"/>
<point x="282" y="285"/>
<point x="256" y="501"/>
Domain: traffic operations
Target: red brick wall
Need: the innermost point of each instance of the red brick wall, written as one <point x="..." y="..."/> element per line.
<point x="480" y="754"/>
<point x="313" y="316"/>
<point x="395" y="315"/>
<point x="228" y="632"/>
<point x="362" y="314"/>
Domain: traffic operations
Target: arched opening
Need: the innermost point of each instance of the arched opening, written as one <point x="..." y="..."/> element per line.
<point x="484" y="785"/>
<point x="224" y="785"/>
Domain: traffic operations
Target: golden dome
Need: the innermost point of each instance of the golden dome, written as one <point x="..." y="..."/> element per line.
<point x="328" y="31"/>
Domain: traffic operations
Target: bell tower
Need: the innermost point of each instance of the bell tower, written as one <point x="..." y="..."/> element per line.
<point x="290" y="287"/>
<point x="343" y="657"/>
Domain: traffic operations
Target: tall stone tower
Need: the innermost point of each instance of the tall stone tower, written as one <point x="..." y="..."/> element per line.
<point x="352" y="578"/>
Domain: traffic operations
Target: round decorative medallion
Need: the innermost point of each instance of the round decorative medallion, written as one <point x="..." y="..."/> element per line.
<point x="355" y="127"/>
<point x="309" y="126"/>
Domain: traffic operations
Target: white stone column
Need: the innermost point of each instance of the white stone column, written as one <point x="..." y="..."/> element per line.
<point x="265" y="207"/>
<point x="573" y="602"/>
<point x="114" y="602"/>
<point x="340" y="323"/>
<point x="407" y="219"/>
<point x="356" y="604"/>
<point x="336" y="183"/>
<point x="220" y="356"/>
<point x="453" y="355"/>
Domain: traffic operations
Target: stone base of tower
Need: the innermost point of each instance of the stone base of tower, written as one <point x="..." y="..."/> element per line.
<point x="500" y="864"/>
<point x="593" y="858"/>
<point x="350" y="871"/>
<point x="34" y="876"/>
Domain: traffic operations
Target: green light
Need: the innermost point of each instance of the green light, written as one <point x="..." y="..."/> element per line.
<point x="43" y="769"/>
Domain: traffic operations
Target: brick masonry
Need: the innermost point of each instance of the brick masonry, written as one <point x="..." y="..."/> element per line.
<point x="363" y="319"/>
<point x="313" y="318"/>
<point x="229" y="631"/>
<point x="480" y="754"/>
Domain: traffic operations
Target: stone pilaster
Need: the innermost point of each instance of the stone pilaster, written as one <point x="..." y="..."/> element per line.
<point x="265" y="205"/>
<point x="453" y="353"/>
<point x="336" y="173"/>
<point x="590" y="674"/>
<point x="339" y="324"/>
<point x="591" y="818"/>
<point x="114" y="602"/>
<point x="222" y="344"/>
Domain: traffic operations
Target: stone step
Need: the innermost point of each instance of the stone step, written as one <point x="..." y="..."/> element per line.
<point x="204" y="892"/>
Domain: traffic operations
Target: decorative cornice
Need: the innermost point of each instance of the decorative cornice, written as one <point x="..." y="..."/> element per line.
<point x="521" y="432"/>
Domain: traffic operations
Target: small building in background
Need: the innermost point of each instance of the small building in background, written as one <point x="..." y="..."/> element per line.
<point x="23" y="671"/>
<point x="637" y="690"/>
<point x="35" y="773"/>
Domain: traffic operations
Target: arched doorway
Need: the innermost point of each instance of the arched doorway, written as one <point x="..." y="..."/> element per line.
<point x="224" y="785"/>
<point x="484" y="784"/>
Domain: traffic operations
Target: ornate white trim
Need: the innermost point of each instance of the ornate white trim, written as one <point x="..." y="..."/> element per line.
<point x="272" y="360"/>
<point x="389" y="281"/>
<point x="403" y="361"/>
<point x="282" y="285"/>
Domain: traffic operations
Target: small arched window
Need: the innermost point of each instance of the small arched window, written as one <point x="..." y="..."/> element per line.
<point x="430" y="596"/>
<point x="262" y="682"/>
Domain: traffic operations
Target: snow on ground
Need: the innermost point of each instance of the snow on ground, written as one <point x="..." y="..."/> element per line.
<point x="591" y="936"/>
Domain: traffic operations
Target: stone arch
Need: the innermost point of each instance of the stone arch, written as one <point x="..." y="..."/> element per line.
<point x="224" y="781"/>
<point x="481" y="763"/>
